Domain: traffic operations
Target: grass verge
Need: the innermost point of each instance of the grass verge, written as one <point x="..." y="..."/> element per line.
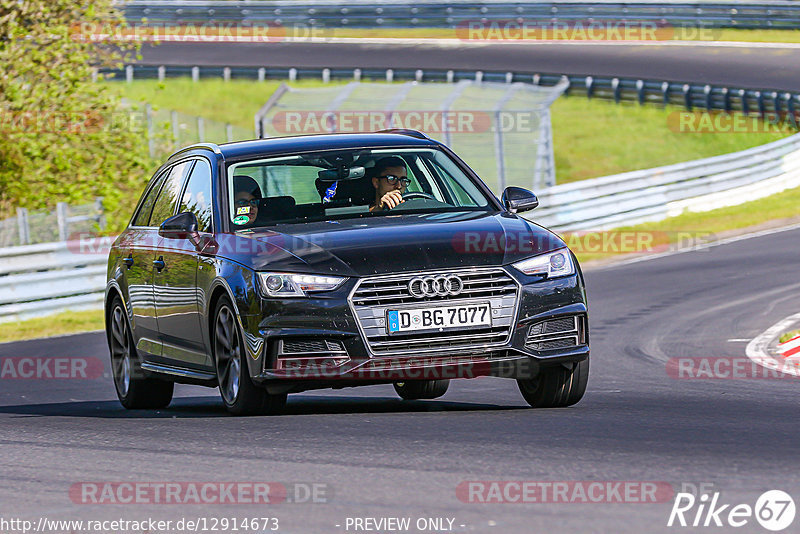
<point x="788" y="335"/>
<point x="53" y="325"/>
<point x="591" y="137"/>
<point x="597" y="138"/>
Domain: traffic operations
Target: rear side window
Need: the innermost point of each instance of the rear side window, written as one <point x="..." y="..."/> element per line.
<point x="147" y="204"/>
<point x="167" y="200"/>
<point x="197" y="195"/>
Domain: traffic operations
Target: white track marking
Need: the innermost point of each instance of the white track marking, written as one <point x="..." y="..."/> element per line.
<point x="757" y="349"/>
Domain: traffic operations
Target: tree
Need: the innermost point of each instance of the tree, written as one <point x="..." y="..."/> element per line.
<point x="64" y="136"/>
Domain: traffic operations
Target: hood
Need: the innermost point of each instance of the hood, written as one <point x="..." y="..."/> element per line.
<point x="391" y="244"/>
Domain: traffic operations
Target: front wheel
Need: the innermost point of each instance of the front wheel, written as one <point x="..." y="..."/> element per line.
<point x="421" y="389"/>
<point x="240" y="395"/>
<point x="556" y="387"/>
<point x="133" y="389"/>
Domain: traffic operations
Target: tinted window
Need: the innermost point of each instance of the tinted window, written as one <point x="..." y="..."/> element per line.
<point x="147" y="205"/>
<point x="197" y="195"/>
<point x="167" y="201"/>
<point x="301" y="188"/>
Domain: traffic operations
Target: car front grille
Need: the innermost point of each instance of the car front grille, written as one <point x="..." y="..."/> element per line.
<point x="560" y="333"/>
<point x="309" y="353"/>
<point x="373" y="297"/>
<point x="306" y="346"/>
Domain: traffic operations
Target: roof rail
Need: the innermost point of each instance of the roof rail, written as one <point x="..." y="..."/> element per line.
<point x="208" y="146"/>
<point x="405" y="131"/>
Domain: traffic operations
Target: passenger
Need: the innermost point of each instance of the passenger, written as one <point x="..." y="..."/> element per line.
<point x="390" y="180"/>
<point x="245" y="201"/>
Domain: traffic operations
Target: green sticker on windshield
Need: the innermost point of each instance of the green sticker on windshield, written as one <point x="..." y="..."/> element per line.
<point x="241" y="219"/>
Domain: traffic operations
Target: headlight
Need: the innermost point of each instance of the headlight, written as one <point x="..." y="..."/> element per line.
<point x="296" y="285"/>
<point x="550" y="265"/>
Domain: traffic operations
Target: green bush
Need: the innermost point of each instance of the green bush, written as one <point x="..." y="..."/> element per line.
<point x="64" y="137"/>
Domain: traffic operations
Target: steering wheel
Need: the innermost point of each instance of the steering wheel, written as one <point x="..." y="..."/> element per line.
<point x="417" y="194"/>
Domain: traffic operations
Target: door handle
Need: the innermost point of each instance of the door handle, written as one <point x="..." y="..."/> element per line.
<point x="128" y="261"/>
<point x="159" y="263"/>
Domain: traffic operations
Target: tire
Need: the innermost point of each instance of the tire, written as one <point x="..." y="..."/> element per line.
<point x="135" y="392"/>
<point x="421" y="389"/>
<point x="556" y="387"/>
<point x="239" y="394"/>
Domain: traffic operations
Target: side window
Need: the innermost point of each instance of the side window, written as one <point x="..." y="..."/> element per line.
<point x="167" y="200"/>
<point x="147" y="204"/>
<point x="197" y="195"/>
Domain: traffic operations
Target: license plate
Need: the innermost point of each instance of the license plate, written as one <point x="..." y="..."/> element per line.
<point x="438" y="318"/>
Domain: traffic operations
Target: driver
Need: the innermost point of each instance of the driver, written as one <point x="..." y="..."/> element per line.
<point x="245" y="200"/>
<point x="390" y="181"/>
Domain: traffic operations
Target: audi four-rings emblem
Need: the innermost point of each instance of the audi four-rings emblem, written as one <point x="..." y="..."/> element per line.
<point x="435" y="286"/>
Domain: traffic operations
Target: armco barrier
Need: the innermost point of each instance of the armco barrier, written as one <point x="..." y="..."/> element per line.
<point x="655" y="194"/>
<point x="447" y="14"/>
<point x="48" y="278"/>
<point x="659" y="92"/>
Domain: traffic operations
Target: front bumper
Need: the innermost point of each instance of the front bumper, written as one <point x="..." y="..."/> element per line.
<point x="330" y="317"/>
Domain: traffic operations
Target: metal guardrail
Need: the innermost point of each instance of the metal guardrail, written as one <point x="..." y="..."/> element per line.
<point x="37" y="280"/>
<point x="448" y="14"/>
<point x="654" y="194"/>
<point x="688" y="95"/>
<point x="45" y="226"/>
<point x="42" y="279"/>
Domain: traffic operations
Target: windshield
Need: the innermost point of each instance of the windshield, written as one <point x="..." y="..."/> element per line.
<point x="345" y="184"/>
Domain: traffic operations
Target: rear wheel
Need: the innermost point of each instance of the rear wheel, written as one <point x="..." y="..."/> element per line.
<point x="556" y="387"/>
<point x="240" y="395"/>
<point x="133" y="389"/>
<point x="421" y="389"/>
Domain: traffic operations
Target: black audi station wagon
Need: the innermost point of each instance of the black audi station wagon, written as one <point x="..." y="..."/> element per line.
<point x="275" y="266"/>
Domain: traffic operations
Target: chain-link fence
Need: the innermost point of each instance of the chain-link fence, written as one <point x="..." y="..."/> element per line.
<point x="502" y="130"/>
<point x="30" y="227"/>
<point x="167" y="130"/>
<point x="185" y="129"/>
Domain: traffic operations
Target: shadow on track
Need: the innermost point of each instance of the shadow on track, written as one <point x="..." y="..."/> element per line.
<point x="199" y="407"/>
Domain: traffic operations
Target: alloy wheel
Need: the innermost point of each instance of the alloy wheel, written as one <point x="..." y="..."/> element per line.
<point x="228" y="355"/>
<point x="120" y="351"/>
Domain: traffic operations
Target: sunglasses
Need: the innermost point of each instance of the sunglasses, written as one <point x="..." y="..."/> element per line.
<point x="392" y="179"/>
<point x="241" y="203"/>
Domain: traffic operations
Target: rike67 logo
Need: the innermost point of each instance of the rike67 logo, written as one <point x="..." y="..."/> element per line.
<point x="774" y="510"/>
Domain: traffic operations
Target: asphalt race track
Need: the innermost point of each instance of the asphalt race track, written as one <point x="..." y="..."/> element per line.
<point x="734" y="66"/>
<point x="379" y="456"/>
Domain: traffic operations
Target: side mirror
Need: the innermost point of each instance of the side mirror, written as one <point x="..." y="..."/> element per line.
<point x="181" y="226"/>
<point x="517" y="199"/>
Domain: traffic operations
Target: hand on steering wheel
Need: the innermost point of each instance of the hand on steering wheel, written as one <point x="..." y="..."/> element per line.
<point x="417" y="194"/>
